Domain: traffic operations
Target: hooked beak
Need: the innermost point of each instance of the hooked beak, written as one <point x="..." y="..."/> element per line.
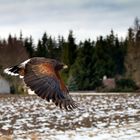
<point x="65" y="66"/>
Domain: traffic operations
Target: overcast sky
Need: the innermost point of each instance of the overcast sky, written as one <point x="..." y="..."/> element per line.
<point x="87" y="18"/>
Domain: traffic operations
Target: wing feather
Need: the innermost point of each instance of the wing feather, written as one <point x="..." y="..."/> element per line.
<point x="46" y="82"/>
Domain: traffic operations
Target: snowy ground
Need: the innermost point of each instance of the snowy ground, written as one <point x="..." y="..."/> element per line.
<point x="99" y="117"/>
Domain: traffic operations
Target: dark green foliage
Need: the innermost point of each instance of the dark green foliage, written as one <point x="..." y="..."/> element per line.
<point x="72" y="85"/>
<point x="96" y="59"/>
<point x="41" y="50"/>
<point x="126" y="85"/>
<point x="28" y="44"/>
<point x="83" y="69"/>
<point x="48" y="47"/>
<point x="68" y="53"/>
<point x="123" y="83"/>
<point x="110" y="53"/>
<point x="69" y="50"/>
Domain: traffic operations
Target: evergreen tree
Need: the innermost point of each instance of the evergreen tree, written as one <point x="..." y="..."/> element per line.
<point x="72" y="85"/>
<point x="58" y="49"/>
<point x="28" y="44"/>
<point x="69" y="50"/>
<point x="64" y="53"/>
<point x="41" y="50"/>
<point x="51" y="47"/>
<point x="83" y="68"/>
<point x="103" y="62"/>
<point x="43" y="45"/>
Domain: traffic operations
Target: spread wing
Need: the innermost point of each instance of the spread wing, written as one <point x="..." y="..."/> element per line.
<point x="46" y="83"/>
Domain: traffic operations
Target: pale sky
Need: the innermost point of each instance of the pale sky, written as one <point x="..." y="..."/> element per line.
<point x="87" y="18"/>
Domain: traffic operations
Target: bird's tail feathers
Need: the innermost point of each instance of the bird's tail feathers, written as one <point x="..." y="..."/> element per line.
<point x="12" y="71"/>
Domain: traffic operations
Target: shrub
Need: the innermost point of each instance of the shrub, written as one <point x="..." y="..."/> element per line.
<point x="124" y="84"/>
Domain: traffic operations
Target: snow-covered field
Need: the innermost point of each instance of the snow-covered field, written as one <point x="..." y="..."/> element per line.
<point x="99" y="117"/>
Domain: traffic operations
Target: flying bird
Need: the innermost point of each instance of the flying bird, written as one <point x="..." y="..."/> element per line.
<point x="42" y="76"/>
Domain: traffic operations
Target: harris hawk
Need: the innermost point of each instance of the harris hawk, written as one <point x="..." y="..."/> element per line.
<point x="42" y="76"/>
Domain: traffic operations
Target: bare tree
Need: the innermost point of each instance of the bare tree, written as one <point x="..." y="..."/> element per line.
<point x="136" y="24"/>
<point x="12" y="52"/>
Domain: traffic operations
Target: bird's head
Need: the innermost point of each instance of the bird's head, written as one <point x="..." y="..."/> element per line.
<point x="65" y="66"/>
<point x="60" y="66"/>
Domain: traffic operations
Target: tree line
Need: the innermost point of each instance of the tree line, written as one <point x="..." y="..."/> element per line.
<point x="88" y="61"/>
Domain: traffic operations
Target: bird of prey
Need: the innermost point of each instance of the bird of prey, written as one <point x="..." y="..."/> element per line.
<point x="42" y="76"/>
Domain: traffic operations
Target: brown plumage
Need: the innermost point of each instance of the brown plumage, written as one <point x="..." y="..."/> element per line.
<point x="42" y="76"/>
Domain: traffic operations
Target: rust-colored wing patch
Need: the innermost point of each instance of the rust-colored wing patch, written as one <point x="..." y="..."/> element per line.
<point x="46" y="68"/>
